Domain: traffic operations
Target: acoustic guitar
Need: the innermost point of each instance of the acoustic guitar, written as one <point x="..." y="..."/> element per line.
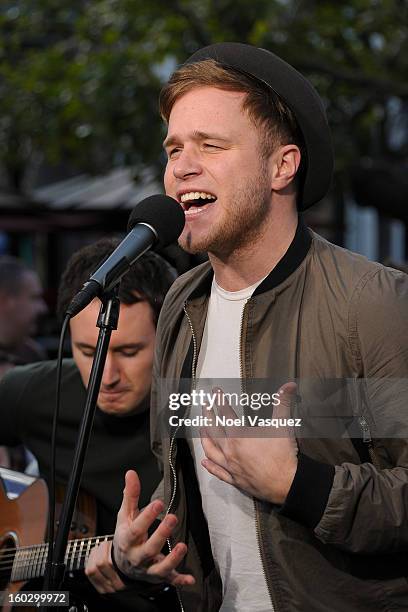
<point x="23" y="524"/>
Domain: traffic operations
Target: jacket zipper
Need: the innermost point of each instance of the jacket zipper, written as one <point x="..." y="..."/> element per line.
<point x="257" y="525"/>
<point x="173" y="495"/>
<point x="193" y="377"/>
<point x="171" y="449"/>
<point x="368" y="440"/>
<point x="172" y="442"/>
<point x="193" y="365"/>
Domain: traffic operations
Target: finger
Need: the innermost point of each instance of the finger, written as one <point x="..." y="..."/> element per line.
<point x="106" y="568"/>
<point x="98" y="581"/>
<point x="212" y="430"/>
<point x="131" y="493"/>
<point x="166" y="567"/>
<point x="153" y="546"/>
<point x="100" y="571"/>
<point x="106" y="582"/>
<point x="111" y="579"/>
<point x="225" y="411"/>
<point x="217" y="470"/>
<point x="182" y="580"/>
<point x="140" y="525"/>
<point x="287" y="396"/>
<point x="217" y="432"/>
<point x="223" y="407"/>
<point x="213" y="449"/>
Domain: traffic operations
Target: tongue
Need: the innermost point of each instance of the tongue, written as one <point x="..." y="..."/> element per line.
<point x="199" y="203"/>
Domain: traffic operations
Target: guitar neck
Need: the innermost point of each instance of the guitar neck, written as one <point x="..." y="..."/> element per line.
<point x="30" y="561"/>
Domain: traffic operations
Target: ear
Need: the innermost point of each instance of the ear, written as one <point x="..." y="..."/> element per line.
<point x="285" y="162"/>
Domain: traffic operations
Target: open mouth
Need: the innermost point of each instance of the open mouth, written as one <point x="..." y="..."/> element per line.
<point x="195" y="201"/>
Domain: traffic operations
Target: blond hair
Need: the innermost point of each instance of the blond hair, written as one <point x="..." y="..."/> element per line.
<point x="270" y="114"/>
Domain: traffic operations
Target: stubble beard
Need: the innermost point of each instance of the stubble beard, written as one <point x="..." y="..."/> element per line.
<point x="241" y="227"/>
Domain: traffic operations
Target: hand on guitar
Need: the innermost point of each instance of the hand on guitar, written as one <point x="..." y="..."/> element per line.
<point x="137" y="554"/>
<point x="100" y="571"/>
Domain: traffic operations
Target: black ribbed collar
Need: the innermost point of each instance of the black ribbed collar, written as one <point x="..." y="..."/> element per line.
<point x="291" y="260"/>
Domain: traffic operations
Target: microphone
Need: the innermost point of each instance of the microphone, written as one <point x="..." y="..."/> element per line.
<point x="157" y="220"/>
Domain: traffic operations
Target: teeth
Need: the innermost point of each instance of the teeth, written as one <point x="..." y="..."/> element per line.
<point x="196" y="195"/>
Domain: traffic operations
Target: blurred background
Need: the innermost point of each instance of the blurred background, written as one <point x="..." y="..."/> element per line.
<point x="80" y="135"/>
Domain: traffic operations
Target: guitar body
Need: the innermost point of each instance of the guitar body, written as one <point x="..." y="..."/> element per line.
<point x="24" y="522"/>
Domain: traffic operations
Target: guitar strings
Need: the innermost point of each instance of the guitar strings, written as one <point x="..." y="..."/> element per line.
<point x="23" y="567"/>
<point x="42" y="548"/>
<point x="27" y="561"/>
<point x="41" y="563"/>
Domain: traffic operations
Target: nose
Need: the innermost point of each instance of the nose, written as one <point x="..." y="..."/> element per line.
<point x="187" y="164"/>
<point x="111" y="372"/>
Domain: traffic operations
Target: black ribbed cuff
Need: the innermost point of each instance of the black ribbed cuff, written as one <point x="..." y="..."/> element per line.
<point x="310" y="490"/>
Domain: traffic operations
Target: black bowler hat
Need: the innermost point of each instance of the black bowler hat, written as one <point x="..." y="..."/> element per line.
<point x="301" y="97"/>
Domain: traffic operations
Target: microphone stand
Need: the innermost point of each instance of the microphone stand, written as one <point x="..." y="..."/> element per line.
<point x="107" y="322"/>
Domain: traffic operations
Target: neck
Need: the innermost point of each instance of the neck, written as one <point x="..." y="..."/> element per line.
<point x="249" y="264"/>
<point x="30" y="561"/>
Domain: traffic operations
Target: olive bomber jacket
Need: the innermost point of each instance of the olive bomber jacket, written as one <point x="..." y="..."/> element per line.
<point x="338" y="324"/>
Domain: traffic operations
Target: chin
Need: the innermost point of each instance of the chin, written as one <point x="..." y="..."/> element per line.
<point x="118" y="410"/>
<point x="110" y="410"/>
<point x="200" y="245"/>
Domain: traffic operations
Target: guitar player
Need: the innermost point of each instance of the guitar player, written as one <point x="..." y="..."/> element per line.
<point x="120" y="437"/>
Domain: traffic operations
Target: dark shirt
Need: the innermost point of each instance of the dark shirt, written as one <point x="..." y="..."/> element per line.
<point x="27" y="399"/>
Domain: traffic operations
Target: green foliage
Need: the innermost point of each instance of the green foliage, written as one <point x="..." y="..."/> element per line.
<point x="79" y="80"/>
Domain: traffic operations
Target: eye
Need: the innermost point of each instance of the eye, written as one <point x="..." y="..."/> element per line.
<point x="211" y="147"/>
<point x="173" y="152"/>
<point x="129" y="352"/>
<point x="88" y="353"/>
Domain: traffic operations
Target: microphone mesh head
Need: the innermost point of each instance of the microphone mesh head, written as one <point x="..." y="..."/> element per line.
<point x="163" y="213"/>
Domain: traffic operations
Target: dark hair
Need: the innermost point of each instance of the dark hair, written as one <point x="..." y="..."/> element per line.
<point x="148" y="279"/>
<point x="12" y="271"/>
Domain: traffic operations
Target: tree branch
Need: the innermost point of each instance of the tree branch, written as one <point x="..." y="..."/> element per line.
<point x="355" y="77"/>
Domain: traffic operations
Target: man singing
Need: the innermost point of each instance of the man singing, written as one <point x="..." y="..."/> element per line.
<point x="272" y="523"/>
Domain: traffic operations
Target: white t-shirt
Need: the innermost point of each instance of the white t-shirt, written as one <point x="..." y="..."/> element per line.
<point x="230" y="513"/>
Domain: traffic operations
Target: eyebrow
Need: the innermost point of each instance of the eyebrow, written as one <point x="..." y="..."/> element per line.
<point x="197" y="135"/>
<point x="121" y="347"/>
